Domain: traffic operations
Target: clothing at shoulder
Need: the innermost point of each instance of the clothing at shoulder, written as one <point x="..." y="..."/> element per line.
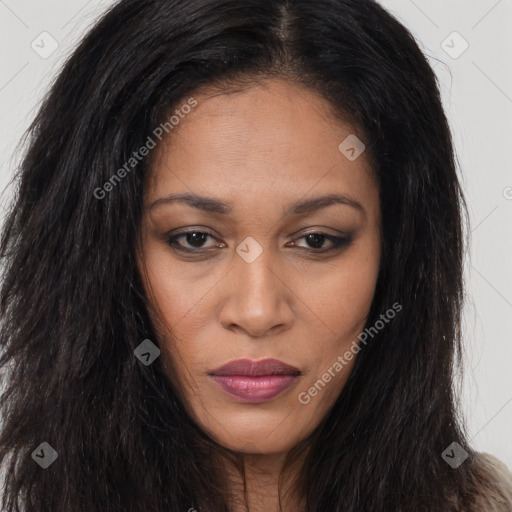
<point x="495" y="493"/>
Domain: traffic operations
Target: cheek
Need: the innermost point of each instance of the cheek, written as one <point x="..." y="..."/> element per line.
<point x="177" y="290"/>
<point x="181" y="296"/>
<point x="351" y="294"/>
<point x="342" y="295"/>
<point x="342" y="301"/>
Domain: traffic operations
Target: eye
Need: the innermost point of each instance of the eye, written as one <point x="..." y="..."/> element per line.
<point x="316" y="241"/>
<point x="194" y="239"/>
<point x="194" y="242"/>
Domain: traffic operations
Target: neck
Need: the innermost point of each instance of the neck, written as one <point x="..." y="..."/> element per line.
<point x="262" y="474"/>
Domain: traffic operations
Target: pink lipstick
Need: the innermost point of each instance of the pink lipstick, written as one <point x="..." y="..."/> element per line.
<point x="254" y="381"/>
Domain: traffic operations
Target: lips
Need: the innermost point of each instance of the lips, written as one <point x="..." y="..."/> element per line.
<point x="250" y="368"/>
<point x="254" y="381"/>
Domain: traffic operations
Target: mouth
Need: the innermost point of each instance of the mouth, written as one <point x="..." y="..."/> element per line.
<point x="255" y="381"/>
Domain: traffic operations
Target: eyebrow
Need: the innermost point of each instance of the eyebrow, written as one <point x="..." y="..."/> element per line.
<point x="212" y="205"/>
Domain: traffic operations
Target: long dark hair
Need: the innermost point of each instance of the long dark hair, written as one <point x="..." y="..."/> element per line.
<point x="73" y="308"/>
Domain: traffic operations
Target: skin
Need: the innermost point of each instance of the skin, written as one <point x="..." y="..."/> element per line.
<point x="259" y="150"/>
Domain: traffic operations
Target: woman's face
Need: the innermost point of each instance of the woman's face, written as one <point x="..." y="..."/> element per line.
<point x="260" y="278"/>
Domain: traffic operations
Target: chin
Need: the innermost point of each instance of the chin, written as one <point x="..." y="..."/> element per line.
<point x="264" y="441"/>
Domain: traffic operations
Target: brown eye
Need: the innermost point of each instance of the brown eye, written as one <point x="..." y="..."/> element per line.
<point x="194" y="239"/>
<point x="194" y="242"/>
<point x="316" y="242"/>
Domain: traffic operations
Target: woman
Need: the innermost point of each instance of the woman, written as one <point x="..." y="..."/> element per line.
<point x="233" y="272"/>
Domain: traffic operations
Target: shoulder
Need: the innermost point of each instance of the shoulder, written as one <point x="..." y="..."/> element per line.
<point x="493" y="485"/>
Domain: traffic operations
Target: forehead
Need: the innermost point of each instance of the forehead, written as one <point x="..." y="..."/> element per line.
<point x="273" y="140"/>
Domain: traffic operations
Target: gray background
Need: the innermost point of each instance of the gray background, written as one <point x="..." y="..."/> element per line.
<point x="477" y="94"/>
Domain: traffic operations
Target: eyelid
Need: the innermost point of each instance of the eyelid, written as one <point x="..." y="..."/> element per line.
<point x="337" y="242"/>
<point x="181" y="234"/>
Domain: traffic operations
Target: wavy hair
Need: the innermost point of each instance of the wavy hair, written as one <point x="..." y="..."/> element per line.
<point x="73" y="308"/>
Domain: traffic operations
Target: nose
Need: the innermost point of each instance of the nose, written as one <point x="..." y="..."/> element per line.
<point x="257" y="301"/>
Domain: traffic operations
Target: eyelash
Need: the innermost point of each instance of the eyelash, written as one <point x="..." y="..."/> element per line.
<point x="337" y="242"/>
